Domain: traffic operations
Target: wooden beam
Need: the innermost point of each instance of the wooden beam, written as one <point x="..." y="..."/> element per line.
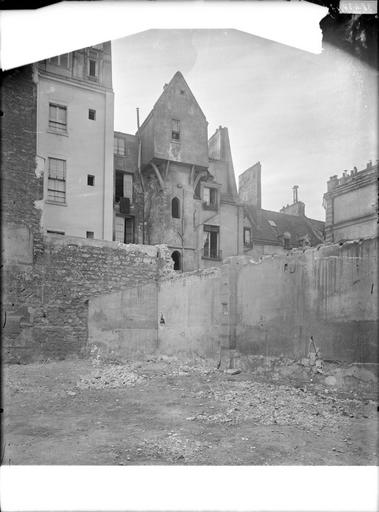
<point x="158" y="174"/>
<point x="198" y="177"/>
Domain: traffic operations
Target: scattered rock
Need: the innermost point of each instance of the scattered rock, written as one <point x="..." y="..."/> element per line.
<point x="232" y="371"/>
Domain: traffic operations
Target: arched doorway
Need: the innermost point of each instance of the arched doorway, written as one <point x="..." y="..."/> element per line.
<point x="177" y="260"/>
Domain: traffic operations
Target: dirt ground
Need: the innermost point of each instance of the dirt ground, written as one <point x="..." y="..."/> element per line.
<point x="161" y="411"/>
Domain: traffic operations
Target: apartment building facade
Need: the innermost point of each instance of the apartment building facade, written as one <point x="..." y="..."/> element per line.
<point x="75" y="142"/>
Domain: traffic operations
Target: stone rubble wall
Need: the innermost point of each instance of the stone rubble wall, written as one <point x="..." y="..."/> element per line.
<point x="45" y="304"/>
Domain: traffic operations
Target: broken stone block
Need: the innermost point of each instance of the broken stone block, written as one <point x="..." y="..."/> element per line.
<point x="232" y="371"/>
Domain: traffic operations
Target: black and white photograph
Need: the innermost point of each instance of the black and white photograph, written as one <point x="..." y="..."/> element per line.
<point x="189" y="249"/>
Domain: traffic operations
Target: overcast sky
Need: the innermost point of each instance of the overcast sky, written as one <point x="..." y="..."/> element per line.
<point x="305" y="117"/>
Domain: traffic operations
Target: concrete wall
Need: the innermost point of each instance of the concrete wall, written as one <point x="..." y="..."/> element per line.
<point x="328" y="293"/>
<point x="125" y="322"/>
<point x="192" y="314"/>
<point x="269" y="307"/>
<point x="177" y="316"/>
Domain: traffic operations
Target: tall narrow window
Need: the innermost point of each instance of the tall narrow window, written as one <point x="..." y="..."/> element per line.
<point x="175" y="208"/>
<point x="210" y="198"/>
<point x="57" y="117"/>
<point x="56" y="186"/>
<point x="211" y="242"/>
<point x="124" y="186"/>
<point x="92" y="68"/>
<point x="175" y="130"/>
<point x="129" y="231"/>
<point x="124" y="229"/>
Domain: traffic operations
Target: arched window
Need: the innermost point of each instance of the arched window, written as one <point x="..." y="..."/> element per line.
<point x="175" y="208"/>
<point x="176" y="258"/>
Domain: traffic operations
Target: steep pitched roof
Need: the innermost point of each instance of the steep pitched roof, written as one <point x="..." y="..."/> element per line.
<point x="178" y="77"/>
<point x="269" y="227"/>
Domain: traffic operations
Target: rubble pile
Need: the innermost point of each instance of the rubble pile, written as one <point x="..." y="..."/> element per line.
<point x="172" y="447"/>
<point x="267" y="404"/>
<point x="111" y="376"/>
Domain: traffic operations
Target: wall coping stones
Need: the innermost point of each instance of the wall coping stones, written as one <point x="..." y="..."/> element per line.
<point x="76" y="241"/>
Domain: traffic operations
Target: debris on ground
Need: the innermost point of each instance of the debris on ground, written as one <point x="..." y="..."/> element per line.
<point x="110" y="376"/>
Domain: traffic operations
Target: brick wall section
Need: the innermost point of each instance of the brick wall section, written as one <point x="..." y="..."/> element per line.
<point x="19" y="183"/>
<point x="47" y="304"/>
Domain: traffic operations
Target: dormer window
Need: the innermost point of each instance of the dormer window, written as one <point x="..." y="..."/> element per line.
<point x="175" y="129"/>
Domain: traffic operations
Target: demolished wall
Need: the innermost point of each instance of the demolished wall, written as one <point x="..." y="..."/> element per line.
<point x="328" y="293"/>
<point x="45" y="304"/>
<point x="269" y="307"/>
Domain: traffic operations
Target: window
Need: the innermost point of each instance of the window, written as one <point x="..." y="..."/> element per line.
<point x="92" y="114"/>
<point x="57" y="117"/>
<point x="175" y="208"/>
<point x="60" y="60"/>
<point x="124" y="186"/>
<point x="176" y="258"/>
<point x="119" y="147"/>
<point x="90" y="234"/>
<point x="210" y="198"/>
<point x="56" y="183"/>
<point x="90" y="180"/>
<point x="92" y="68"/>
<point x="211" y="242"/>
<point x="175" y="129"/>
<point x="247" y="236"/>
<point x="124" y="229"/>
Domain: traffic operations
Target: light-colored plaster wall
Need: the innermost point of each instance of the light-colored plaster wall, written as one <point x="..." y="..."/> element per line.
<point x="191" y="310"/>
<point x="329" y="294"/>
<point x="87" y="148"/>
<point x="357" y="203"/>
<point x="269" y="307"/>
<point x="125" y="322"/>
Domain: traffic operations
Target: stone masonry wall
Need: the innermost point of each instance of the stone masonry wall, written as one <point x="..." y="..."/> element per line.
<point x="21" y="183"/>
<point x="46" y="304"/>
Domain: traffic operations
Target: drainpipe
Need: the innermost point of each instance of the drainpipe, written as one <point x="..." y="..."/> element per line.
<point x="182" y="235"/>
<point x="183" y="232"/>
<point x="140" y="175"/>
